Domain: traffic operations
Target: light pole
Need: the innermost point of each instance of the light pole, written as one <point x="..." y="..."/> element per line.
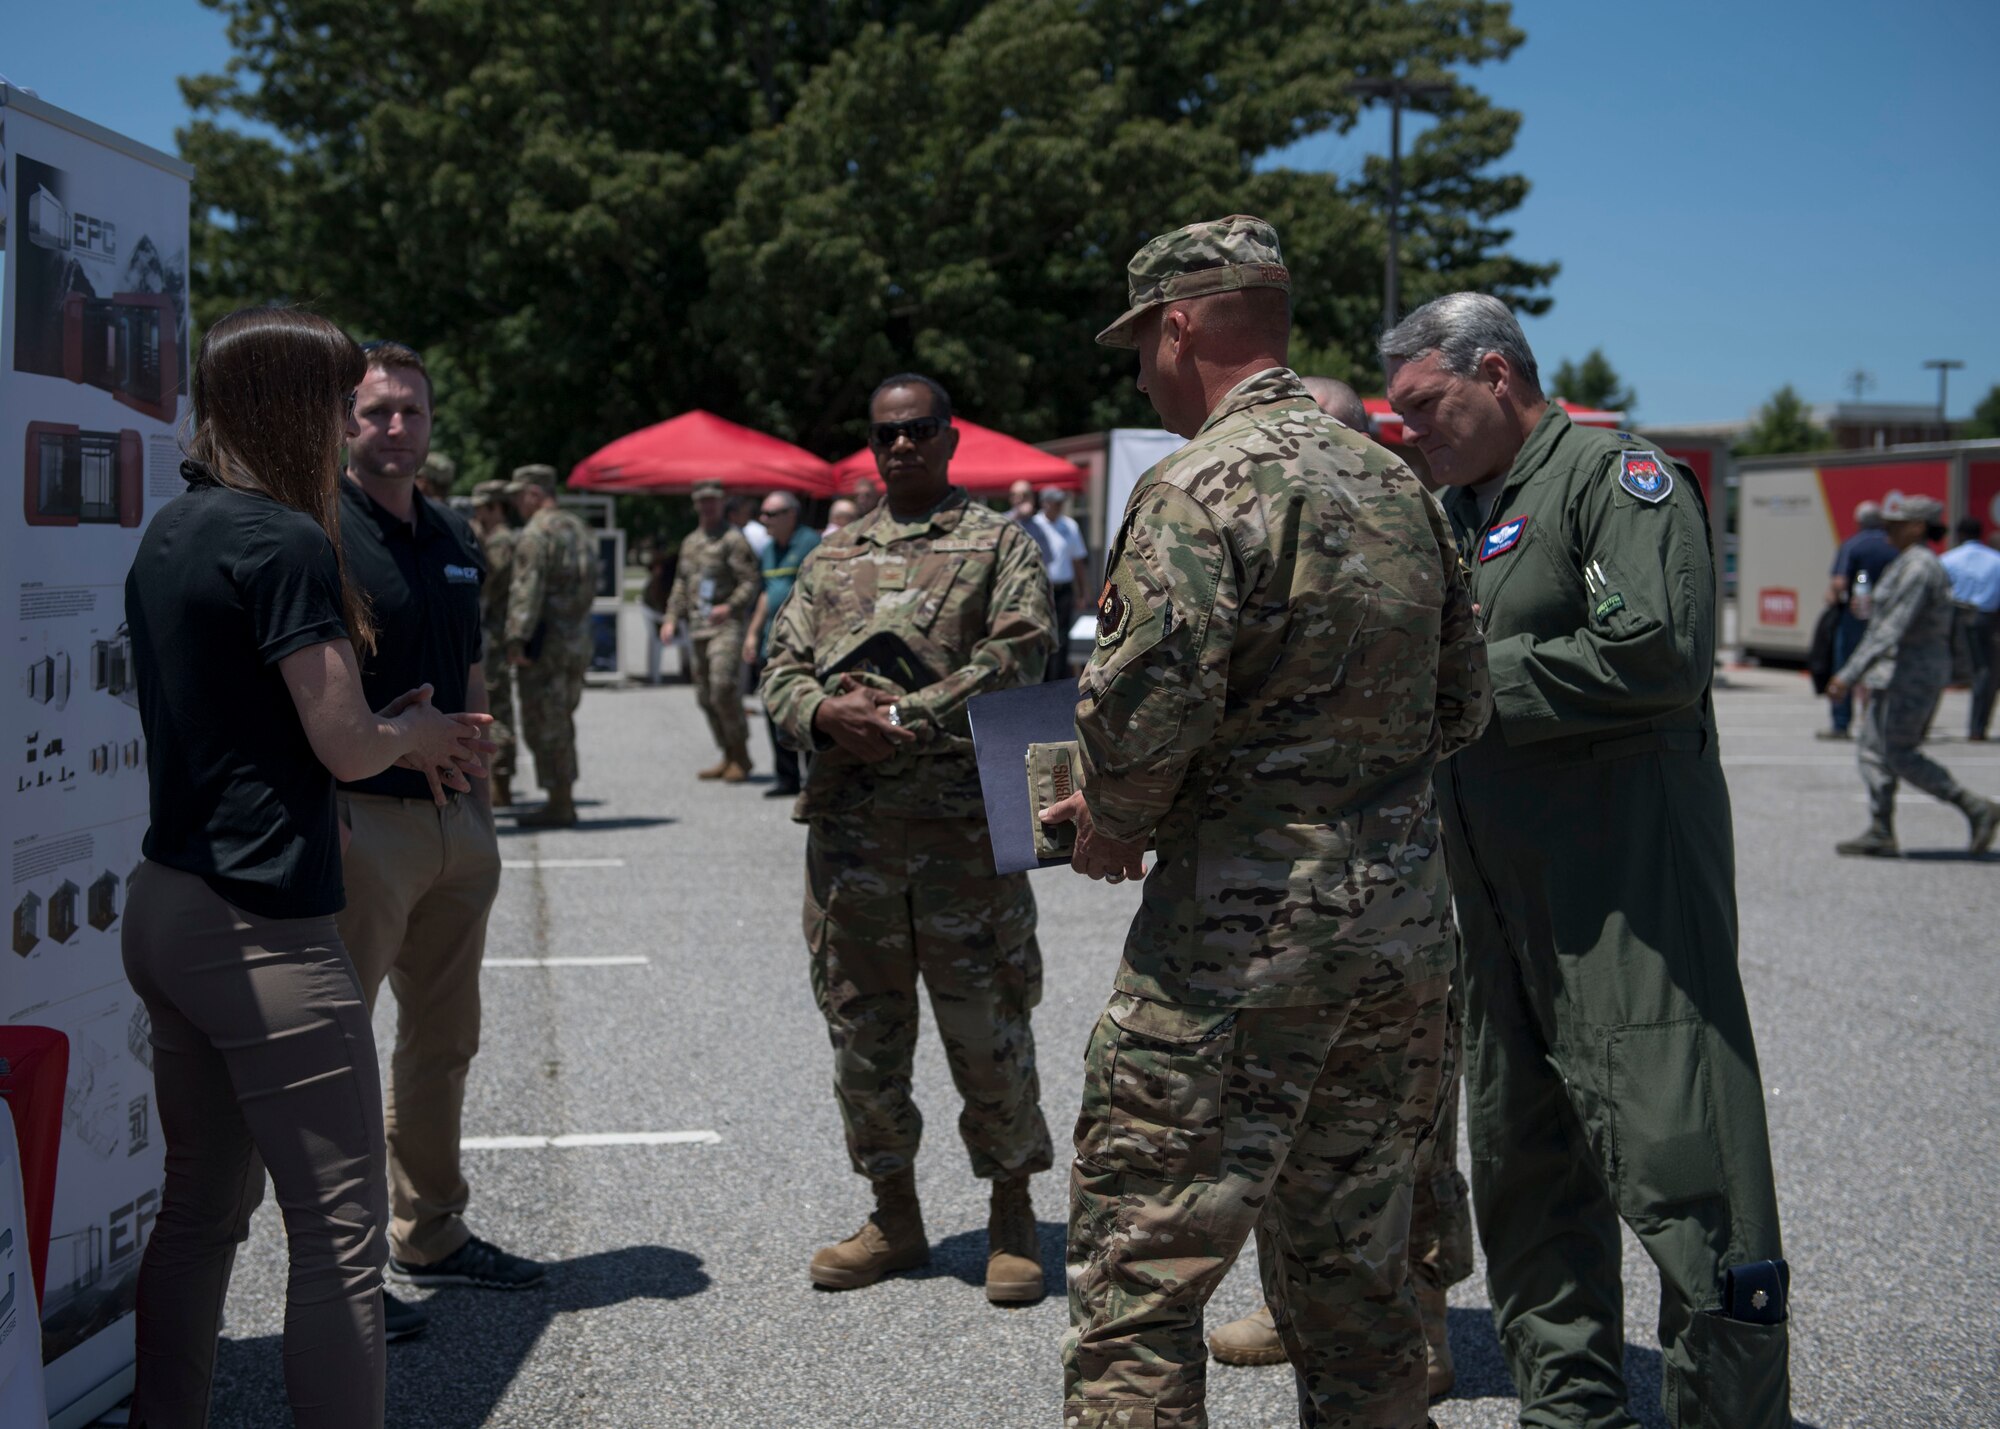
<point x="1944" y="365"/>
<point x="1397" y="90"/>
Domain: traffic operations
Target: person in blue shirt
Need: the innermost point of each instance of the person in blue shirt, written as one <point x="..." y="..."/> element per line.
<point x="1866" y="553"/>
<point x="1974" y="568"/>
<point x="790" y="540"/>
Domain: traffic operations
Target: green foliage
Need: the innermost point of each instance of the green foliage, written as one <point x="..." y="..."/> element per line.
<point x="593" y="216"/>
<point x="1986" y="416"/>
<point x="1784" y="425"/>
<point x="1594" y="383"/>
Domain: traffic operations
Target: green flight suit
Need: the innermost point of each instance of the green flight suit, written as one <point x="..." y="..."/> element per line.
<point x="1610" y="1070"/>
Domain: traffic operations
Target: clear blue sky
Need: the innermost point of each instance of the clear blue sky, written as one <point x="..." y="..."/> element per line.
<point x="1741" y="195"/>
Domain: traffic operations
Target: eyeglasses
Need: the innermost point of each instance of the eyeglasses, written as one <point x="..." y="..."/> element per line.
<point x="771" y="514"/>
<point x="884" y="435"/>
<point x="350" y="402"/>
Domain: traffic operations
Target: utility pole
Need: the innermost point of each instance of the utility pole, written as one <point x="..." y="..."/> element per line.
<point x="1944" y="366"/>
<point x="1398" y="90"/>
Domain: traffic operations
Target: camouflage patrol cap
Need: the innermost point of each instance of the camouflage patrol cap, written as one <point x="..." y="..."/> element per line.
<point x="489" y="492"/>
<point x="440" y="467"/>
<point x="707" y="488"/>
<point x="1217" y="256"/>
<point x="537" y="474"/>
<point x="513" y="489"/>
<point x="1912" y="508"/>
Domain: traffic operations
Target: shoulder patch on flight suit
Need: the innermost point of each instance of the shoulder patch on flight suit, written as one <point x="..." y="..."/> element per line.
<point x="1502" y="538"/>
<point x="1645" y="476"/>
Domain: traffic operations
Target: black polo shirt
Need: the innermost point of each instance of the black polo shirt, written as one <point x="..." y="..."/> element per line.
<point x="422" y="582"/>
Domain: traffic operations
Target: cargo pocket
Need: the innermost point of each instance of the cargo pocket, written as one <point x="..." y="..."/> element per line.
<point x="1664" y="1150"/>
<point x="1163" y="1120"/>
<point x="1728" y="1374"/>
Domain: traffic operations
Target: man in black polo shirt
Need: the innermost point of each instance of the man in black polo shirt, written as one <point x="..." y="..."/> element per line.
<point x="420" y="879"/>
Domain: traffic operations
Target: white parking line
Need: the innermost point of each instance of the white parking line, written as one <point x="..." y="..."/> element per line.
<point x="590" y="1138"/>
<point x="562" y="863"/>
<point x="608" y="962"/>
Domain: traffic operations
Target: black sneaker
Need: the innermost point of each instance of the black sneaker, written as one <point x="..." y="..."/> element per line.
<point x="401" y="1320"/>
<point x="478" y="1263"/>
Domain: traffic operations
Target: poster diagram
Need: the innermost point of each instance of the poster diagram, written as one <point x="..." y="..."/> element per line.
<point x="93" y="379"/>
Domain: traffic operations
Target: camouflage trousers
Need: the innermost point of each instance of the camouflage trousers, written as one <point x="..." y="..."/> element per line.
<point x="890" y="902"/>
<point x="1441" y="1211"/>
<point x="1201" y="1125"/>
<point x="717" y="669"/>
<point x="1890" y="748"/>
<point x="551" y="689"/>
<point x="500" y="704"/>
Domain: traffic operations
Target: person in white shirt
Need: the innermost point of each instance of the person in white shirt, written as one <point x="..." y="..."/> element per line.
<point x="1974" y="568"/>
<point x="742" y="515"/>
<point x="1068" y="560"/>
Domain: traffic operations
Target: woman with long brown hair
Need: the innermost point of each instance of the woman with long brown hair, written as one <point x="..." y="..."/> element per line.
<point x="244" y="631"/>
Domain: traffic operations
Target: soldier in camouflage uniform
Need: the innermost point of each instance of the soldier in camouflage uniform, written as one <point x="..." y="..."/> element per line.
<point x="548" y="637"/>
<point x="1441" y="1215"/>
<point x="896" y="621"/>
<point x="716" y="585"/>
<point x="1285" y="650"/>
<point x="499" y="524"/>
<point x="1905" y="659"/>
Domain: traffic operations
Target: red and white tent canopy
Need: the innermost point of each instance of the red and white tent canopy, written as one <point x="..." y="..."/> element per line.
<point x="987" y="462"/>
<point x="671" y="457"/>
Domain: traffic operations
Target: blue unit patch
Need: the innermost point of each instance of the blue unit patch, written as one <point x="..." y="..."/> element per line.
<point x="1645" y="476"/>
<point x="1502" y="538"/>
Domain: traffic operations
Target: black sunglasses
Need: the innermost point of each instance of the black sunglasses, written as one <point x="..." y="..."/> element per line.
<point x="884" y="435"/>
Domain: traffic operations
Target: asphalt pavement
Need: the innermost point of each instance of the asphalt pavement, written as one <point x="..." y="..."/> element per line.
<point x="677" y="1291"/>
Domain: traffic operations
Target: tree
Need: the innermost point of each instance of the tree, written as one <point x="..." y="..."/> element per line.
<point x="1594" y="383"/>
<point x="1986" y="416"/>
<point x="1784" y="425"/>
<point x="595" y="216"/>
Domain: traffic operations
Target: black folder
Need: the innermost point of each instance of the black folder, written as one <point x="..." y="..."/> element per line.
<point x="1004" y="724"/>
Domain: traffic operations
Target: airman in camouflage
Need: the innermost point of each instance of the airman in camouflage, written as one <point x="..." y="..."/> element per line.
<point x="896" y="621"/>
<point x="499" y="524"/>
<point x="1286" y="649"/>
<point x="1441" y="1214"/>
<point x="548" y="637"/>
<point x="1905" y="659"/>
<point x="716" y="586"/>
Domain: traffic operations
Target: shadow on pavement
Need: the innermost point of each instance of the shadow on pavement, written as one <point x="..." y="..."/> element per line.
<point x="587" y="825"/>
<point x="455" y="1375"/>
<point x="1948" y="855"/>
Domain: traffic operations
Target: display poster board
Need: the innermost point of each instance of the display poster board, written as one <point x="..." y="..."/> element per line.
<point x="93" y="379"/>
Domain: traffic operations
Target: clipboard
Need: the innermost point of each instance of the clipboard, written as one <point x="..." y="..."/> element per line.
<point x="1004" y="724"/>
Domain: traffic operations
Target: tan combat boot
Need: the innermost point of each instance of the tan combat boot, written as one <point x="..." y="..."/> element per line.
<point x="558" y="813"/>
<point x="714" y="771"/>
<point x="1252" y="1340"/>
<point x="736" y="767"/>
<point x="1013" y="1253"/>
<point x="892" y="1239"/>
<point x="1437" y="1338"/>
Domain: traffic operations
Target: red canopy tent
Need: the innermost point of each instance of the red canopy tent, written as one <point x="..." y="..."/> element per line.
<point x="697" y="446"/>
<point x="987" y="463"/>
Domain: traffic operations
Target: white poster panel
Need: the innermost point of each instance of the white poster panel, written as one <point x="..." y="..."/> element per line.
<point x="93" y="378"/>
<point x="21" y="1403"/>
<point x="1133" y="452"/>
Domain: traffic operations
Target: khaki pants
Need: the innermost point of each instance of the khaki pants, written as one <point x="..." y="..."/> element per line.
<point x="420" y="882"/>
<point x="261" y="1047"/>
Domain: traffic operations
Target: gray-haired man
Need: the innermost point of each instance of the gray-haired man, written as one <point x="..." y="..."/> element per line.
<point x="1610" y="1070"/>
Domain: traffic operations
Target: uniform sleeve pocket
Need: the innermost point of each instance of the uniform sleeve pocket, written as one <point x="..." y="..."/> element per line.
<point x="1163" y="1115"/>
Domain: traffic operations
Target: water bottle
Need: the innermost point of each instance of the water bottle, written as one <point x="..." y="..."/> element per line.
<point x="1860" y="597"/>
